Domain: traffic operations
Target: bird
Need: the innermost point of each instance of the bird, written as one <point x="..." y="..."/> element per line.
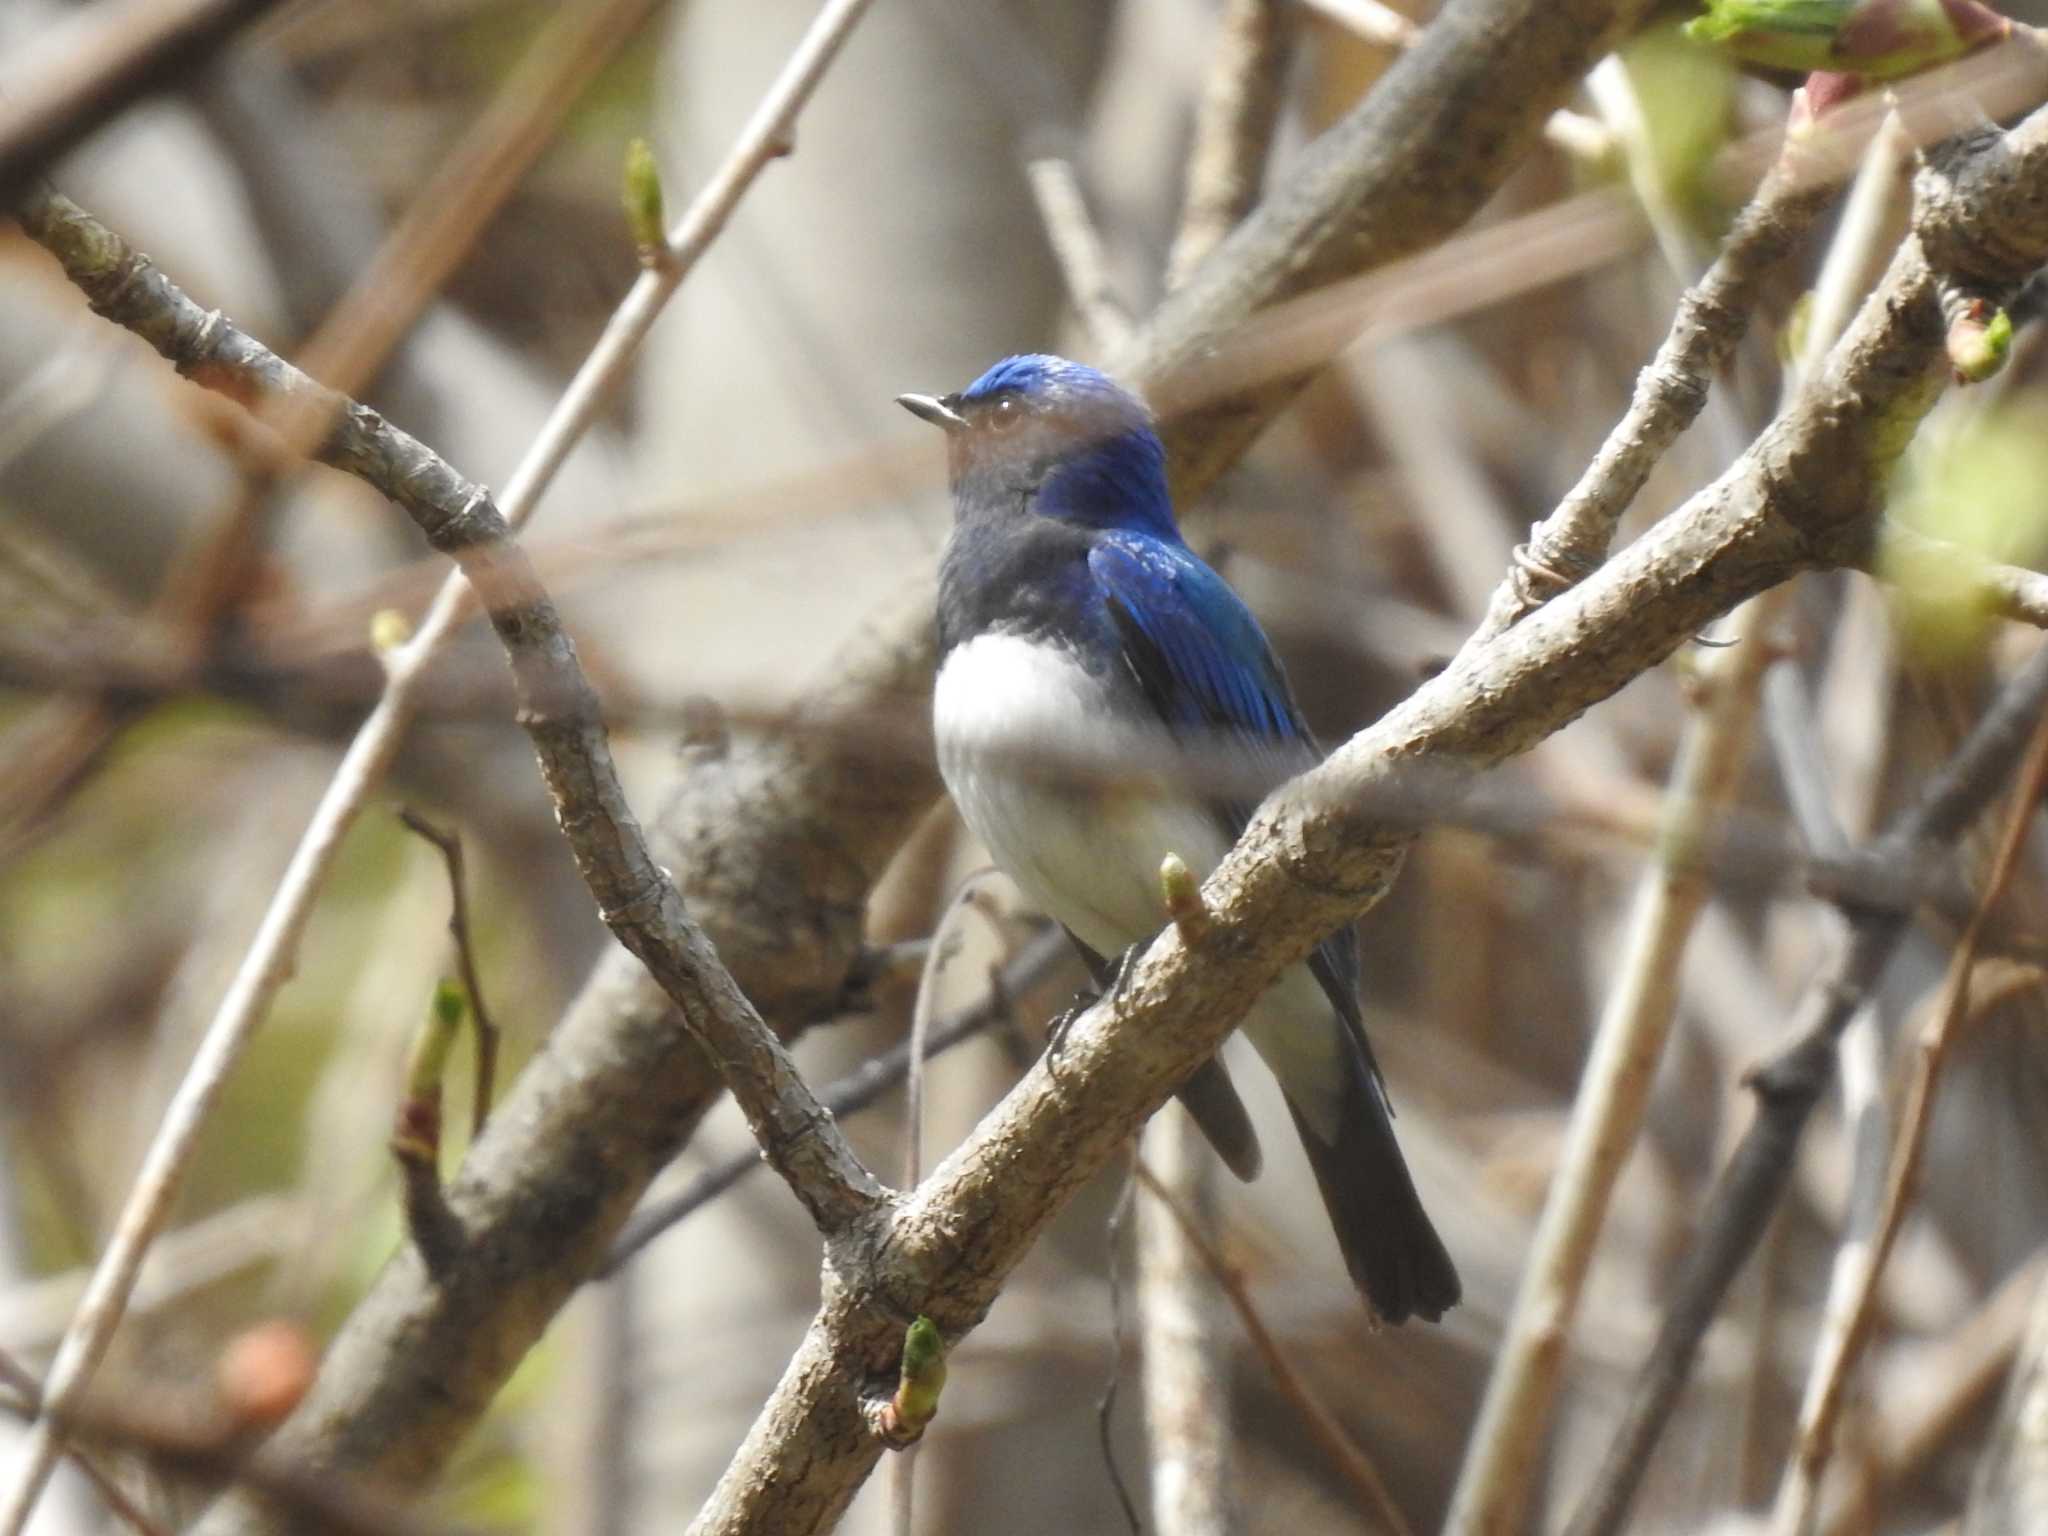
<point x="1074" y="622"/>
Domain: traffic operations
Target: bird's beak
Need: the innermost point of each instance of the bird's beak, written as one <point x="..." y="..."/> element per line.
<point x="936" y="409"/>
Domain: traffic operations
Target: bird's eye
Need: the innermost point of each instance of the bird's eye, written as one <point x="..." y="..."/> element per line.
<point x="1004" y="412"/>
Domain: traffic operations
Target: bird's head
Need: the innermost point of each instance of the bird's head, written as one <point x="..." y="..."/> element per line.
<point x="1039" y="435"/>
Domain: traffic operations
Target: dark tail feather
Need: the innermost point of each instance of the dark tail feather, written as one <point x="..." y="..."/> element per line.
<point x="1389" y="1245"/>
<point x="1211" y="1098"/>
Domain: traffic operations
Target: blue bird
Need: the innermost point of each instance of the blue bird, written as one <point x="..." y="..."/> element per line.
<point x="1076" y="625"/>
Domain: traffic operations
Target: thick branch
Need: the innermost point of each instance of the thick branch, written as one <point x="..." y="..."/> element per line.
<point x="1313" y="859"/>
<point x="1418" y="157"/>
<point x="778" y="842"/>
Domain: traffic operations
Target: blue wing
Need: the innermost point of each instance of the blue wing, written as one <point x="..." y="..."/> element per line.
<point x="1204" y="664"/>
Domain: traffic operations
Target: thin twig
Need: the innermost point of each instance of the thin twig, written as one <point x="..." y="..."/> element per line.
<point x="1497" y="1479"/>
<point x="28" y="1395"/>
<point x="268" y="961"/>
<point x="944" y="947"/>
<point x="1906" y="557"/>
<point x="128" y="52"/>
<point x="1669" y="394"/>
<point x="1105" y="1406"/>
<point x="1787" y="1088"/>
<point x="1948" y="1381"/>
<point x="487" y="1036"/>
<point x="1077" y="245"/>
<point x="1840" y="1347"/>
<point x="854" y="1092"/>
<point x="1381" y="26"/>
<point x="1324" y="1427"/>
<point x="1234" y="125"/>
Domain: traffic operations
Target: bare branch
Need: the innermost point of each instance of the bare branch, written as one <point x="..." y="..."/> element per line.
<point x="2010" y="1493"/>
<point x="853" y="1092"/>
<point x="1078" y="247"/>
<point x="1669" y="394"/>
<point x="1788" y="1087"/>
<point x="365" y="445"/>
<point x="123" y="57"/>
<point x="487" y="1036"/>
<point x="1411" y="162"/>
<point x="1841" y="1347"/>
<point x="1312" y="859"/>
<point x="1234" y="123"/>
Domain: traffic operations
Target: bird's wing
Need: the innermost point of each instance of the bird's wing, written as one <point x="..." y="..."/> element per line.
<point x="1202" y="661"/>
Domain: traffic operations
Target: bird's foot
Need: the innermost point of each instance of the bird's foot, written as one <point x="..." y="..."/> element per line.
<point x="1126" y="969"/>
<point x="1061" y="1022"/>
<point x="1119" y="983"/>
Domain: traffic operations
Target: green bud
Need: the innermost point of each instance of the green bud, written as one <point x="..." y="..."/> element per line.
<point x="1877" y="39"/>
<point x="643" y="198"/>
<point x="389" y="629"/>
<point x="437" y="1038"/>
<point x="1979" y="344"/>
<point x="923" y="1376"/>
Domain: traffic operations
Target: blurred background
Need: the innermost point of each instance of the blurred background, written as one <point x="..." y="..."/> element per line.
<point x="745" y="509"/>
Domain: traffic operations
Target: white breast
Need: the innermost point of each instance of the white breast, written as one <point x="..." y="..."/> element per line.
<point x="1011" y="716"/>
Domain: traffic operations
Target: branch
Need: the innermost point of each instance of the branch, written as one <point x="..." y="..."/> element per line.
<point x="1840" y="1347"/>
<point x="1313" y="859"/>
<point x="1904" y="556"/>
<point x="1790" y="1085"/>
<point x="1614" y="1091"/>
<point x="2009" y="1494"/>
<point x="1077" y="246"/>
<point x="1234" y="124"/>
<point x="123" y="57"/>
<point x="1415" y="159"/>
<point x="1670" y="393"/>
<point x="361" y="443"/>
<point x="557" y="706"/>
<point x="778" y="842"/>
<point x="851" y="1093"/>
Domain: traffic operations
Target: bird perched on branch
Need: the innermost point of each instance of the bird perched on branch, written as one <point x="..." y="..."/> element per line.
<point x="1078" y="634"/>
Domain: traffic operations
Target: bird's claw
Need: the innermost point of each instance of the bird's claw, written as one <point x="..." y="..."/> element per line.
<point x="1061" y="1022"/>
<point x="1119" y="983"/>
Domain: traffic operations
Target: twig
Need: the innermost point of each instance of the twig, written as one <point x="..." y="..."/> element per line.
<point x="130" y="51"/>
<point x="416" y="1136"/>
<point x="1905" y="556"/>
<point x="487" y="1036"/>
<point x="1105" y="1406"/>
<point x="1324" y="1427"/>
<point x="1077" y="245"/>
<point x="851" y="1093"/>
<point x="1669" y="394"/>
<point x="1184" y="1358"/>
<point x="363" y="444"/>
<point x="1948" y="1381"/>
<point x="1839" y="1347"/>
<point x="28" y="1394"/>
<point x="1234" y="124"/>
<point x="209" y="1452"/>
<point x="1607" y="1111"/>
<point x="1787" y="1088"/>
<point x="2006" y="1493"/>
<point x="944" y="946"/>
<point x="1381" y="26"/>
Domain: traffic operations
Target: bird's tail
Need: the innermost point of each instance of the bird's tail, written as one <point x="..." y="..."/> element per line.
<point x="1390" y="1247"/>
